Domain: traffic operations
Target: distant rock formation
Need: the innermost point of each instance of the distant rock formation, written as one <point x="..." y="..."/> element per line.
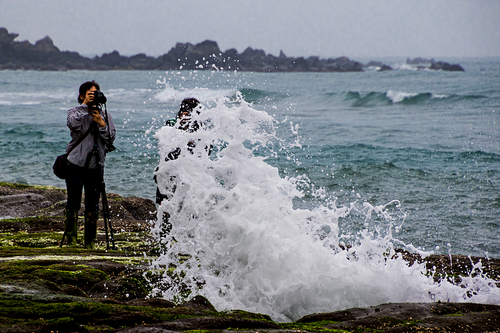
<point x="446" y="67"/>
<point x="419" y="60"/>
<point x="45" y="56"/>
<point x="381" y="66"/>
<point x="41" y="56"/>
<point x="439" y="65"/>
<point x="206" y="55"/>
<point x="385" y="68"/>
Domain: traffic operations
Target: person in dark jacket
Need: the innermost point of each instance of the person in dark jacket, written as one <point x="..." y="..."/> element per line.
<point x="86" y="162"/>
<point x="188" y="105"/>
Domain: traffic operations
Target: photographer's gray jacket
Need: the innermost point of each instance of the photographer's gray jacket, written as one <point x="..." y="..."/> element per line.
<point x="79" y="121"/>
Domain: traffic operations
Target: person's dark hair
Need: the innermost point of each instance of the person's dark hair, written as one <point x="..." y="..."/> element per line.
<point x="188" y="105"/>
<point x="85" y="87"/>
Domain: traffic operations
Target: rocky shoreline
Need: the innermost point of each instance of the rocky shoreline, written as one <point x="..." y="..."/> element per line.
<point x="48" y="288"/>
<point x="45" y="56"/>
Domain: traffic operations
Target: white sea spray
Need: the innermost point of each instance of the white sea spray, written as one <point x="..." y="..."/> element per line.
<point x="237" y="238"/>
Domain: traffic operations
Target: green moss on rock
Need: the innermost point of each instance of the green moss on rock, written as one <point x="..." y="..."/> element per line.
<point x="37" y="240"/>
<point x="18" y="186"/>
<point x="51" y="276"/>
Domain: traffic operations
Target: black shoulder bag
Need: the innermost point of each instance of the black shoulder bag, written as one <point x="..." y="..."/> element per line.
<point x="60" y="166"/>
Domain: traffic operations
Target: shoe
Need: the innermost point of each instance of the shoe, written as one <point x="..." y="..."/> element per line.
<point x="90" y="233"/>
<point x="71" y="226"/>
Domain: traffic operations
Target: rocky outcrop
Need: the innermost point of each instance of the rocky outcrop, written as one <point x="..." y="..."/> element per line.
<point x="381" y="67"/>
<point x="44" y="55"/>
<point x="45" y="206"/>
<point x="45" y="287"/>
<point x="423" y="63"/>
<point x="414" y="317"/>
<point x="41" y="56"/>
<point x="440" y="65"/>
<point x="419" y="61"/>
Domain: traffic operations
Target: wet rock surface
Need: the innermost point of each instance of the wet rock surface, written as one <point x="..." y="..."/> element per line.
<point x="44" y="287"/>
<point x="423" y="63"/>
<point x="415" y="317"/>
<point x="47" y="204"/>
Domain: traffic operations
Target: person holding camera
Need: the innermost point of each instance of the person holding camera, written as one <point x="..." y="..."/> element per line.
<point x="184" y="122"/>
<point x="92" y="134"/>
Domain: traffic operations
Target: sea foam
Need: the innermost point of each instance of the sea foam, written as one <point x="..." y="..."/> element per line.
<point x="237" y="239"/>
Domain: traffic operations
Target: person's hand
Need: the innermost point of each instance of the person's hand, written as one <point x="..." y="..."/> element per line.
<point x="96" y="116"/>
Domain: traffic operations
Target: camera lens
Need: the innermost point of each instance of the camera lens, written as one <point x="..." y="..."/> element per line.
<point x="99" y="97"/>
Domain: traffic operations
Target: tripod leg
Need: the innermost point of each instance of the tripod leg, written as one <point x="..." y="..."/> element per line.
<point x="62" y="240"/>
<point x="106" y="215"/>
<point x="112" y="235"/>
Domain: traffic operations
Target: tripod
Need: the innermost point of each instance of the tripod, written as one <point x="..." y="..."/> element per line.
<point x="104" y="199"/>
<point x="105" y="213"/>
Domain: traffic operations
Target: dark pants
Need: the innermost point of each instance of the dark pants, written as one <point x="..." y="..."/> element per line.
<point x="78" y="179"/>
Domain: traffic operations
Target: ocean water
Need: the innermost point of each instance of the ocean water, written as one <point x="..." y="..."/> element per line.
<point x="302" y="165"/>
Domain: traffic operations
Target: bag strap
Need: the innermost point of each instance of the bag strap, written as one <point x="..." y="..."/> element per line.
<point x="82" y="137"/>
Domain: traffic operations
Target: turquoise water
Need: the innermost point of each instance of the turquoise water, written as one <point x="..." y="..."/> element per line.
<point x="427" y="139"/>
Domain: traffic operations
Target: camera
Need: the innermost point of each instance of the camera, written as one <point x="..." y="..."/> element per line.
<point x="99" y="97"/>
<point x="99" y="100"/>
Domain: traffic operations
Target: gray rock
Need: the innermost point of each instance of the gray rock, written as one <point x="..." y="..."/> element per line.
<point x="385" y="68"/>
<point x="46" y="206"/>
<point x="419" y="60"/>
<point x="46" y="45"/>
<point x="122" y="289"/>
<point x="147" y="329"/>
<point x="18" y="205"/>
<point x="6" y="38"/>
<point x="440" y="65"/>
<point x="44" y="55"/>
<point x="198" y="303"/>
<point x="470" y="317"/>
<point x="215" y="323"/>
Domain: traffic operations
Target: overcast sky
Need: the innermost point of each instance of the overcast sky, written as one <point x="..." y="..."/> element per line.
<point x="327" y="28"/>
